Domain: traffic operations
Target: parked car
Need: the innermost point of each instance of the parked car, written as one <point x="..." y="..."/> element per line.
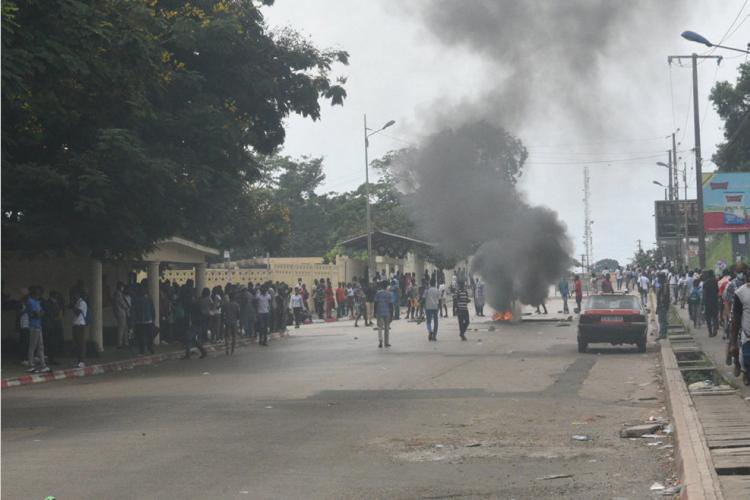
<point x="614" y="319"/>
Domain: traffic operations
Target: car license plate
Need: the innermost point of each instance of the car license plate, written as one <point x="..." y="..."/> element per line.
<point x="611" y="319"/>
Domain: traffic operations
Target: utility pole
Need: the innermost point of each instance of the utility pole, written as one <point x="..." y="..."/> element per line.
<point x="698" y="166"/>
<point x="670" y="165"/>
<point x="640" y="248"/>
<point x="587" y="239"/>
<point x="674" y="168"/>
<point x="370" y="256"/>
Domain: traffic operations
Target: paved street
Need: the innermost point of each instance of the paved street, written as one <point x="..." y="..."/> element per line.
<point x="324" y="413"/>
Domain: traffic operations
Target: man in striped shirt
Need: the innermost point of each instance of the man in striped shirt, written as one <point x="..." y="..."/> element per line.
<point x="461" y="299"/>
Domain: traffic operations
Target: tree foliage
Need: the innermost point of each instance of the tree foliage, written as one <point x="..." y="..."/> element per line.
<point x="124" y="122"/>
<point x="732" y="103"/>
<point x="603" y="264"/>
<point x="316" y="223"/>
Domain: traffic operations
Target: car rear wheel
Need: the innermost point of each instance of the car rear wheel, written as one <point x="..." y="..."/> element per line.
<point x="582" y="345"/>
<point x="641" y="345"/>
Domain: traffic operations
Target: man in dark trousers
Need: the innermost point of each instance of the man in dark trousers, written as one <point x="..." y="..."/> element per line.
<point x="143" y="314"/>
<point x="461" y="300"/>
<point x="384" y="313"/>
<point x="711" y="302"/>
<point x="662" y="304"/>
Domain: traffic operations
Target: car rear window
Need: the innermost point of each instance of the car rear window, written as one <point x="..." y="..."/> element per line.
<point x="611" y="302"/>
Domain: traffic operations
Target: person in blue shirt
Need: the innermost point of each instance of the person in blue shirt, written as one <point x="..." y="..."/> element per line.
<point x="395" y="297"/>
<point x="36" y="343"/>
<point x="384" y="312"/>
<point x="564" y="288"/>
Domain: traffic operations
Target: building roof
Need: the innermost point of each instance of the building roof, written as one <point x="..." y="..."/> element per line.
<point x="180" y="250"/>
<point x="388" y="244"/>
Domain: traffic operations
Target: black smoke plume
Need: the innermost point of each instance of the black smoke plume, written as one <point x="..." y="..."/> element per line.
<point x="459" y="186"/>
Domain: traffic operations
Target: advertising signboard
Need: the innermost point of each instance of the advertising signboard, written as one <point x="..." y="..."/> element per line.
<point x="726" y="202"/>
<point x="673" y="218"/>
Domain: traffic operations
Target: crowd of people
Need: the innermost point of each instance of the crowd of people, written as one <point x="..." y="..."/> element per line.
<point x="40" y="325"/>
<point x="222" y="314"/>
<point x="721" y="303"/>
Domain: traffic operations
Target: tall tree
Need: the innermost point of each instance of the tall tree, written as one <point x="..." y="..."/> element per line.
<point x="732" y="103"/>
<point x="127" y="122"/>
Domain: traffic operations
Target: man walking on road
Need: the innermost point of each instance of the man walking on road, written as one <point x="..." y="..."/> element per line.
<point x="662" y="305"/>
<point x="431" y="306"/>
<point x="643" y="284"/>
<point x="264" y="315"/>
<point x="564" y="292"/>
<point x="383" y="312"/>
<point x="711" y="303"/>
<point x="578" y="291"/>
<point x="296" y="303"/>
<point x="462" y="307"/>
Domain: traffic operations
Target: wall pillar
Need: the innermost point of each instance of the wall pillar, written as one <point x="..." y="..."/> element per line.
<point x="96" y="329"/>
<point x="153" y="292"/>
<point x="200" y="277"/>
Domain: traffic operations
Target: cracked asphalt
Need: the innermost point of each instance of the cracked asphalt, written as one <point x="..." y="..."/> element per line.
<point x="324" y="413"/>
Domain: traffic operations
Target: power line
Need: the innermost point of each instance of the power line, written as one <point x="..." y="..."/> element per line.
<point x="602" y="143"/>
<point x="594" y="162"/>
<point x="726" y="33"/>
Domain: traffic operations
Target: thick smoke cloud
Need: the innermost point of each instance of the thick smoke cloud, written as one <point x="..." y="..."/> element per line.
<point x="546" y="57"/>
<point x="459" y="186"/>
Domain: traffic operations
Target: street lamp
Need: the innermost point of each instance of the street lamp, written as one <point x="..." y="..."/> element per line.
<point x="662" y="185"/>
<point x="370" y="257"/>
<point x="695" y="37"/>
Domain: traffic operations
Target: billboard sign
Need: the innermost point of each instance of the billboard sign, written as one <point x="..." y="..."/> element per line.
<point x="726" y="202"/>
<point x="674" y="217"/>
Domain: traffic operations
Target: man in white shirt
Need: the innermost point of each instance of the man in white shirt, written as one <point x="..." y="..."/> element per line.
<point x="295" y="302"/>
<point x="643" y="284"/>
<point x="431" y="303"/>
<point x="673" y="281"/>
<point x="264" y="314"/>
<point x="80" y="309"/>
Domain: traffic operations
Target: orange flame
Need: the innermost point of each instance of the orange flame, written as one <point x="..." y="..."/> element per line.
<point x="505" y="316"/>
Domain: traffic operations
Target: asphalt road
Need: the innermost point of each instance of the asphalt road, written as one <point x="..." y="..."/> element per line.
<point x="324" y="413"/>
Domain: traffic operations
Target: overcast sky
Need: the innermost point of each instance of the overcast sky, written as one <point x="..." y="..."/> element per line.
<point x="405" y="66"/>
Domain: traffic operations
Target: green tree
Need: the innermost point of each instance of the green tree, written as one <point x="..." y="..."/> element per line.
<point x="732" y="103"/>
<point x="603" y="264"/>
<point x="127" y="122"/>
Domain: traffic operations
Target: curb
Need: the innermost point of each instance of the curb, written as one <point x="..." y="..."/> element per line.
<point x="692" y="457"/>
<point x="114" y="366"/>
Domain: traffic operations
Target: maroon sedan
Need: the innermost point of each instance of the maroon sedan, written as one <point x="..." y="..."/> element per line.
<point x="614" y="319"/>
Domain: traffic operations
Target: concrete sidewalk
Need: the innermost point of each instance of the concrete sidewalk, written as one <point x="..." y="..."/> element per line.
<point x="715" y="348"/>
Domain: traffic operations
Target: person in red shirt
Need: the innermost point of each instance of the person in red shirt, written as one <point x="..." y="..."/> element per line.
<point x="578" y="292"/>
<point x="341" y="300"/>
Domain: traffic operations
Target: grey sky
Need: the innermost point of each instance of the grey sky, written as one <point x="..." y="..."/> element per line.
<point x="402" y="70"/>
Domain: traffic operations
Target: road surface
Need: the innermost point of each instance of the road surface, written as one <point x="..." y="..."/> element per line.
<point x="324" y="413"/>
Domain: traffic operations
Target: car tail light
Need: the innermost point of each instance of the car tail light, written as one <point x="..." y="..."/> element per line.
<point x="635" y="318"/>
<point x="589" y="318"/>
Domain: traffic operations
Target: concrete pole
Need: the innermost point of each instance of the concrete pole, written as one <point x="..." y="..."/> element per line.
<point x="370" y="255"/>
<point x="96" y="329"/>
<point x="200" y="277"/>
<point x="153" y="291"/>
<point x="698" y="168"/>
<point x="671" y="180"/>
